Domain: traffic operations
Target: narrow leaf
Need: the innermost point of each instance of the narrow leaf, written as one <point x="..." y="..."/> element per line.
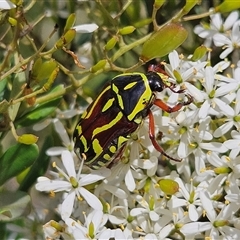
<point x="39" y="113"/>
<point x="16" y="159"/>
<point x="13" y="205"/>
<point x="38" y="168"/>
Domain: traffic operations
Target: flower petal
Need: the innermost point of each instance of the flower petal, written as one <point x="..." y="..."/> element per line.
<point x="6" y="4"/>
<point x="67" y="205"/>
<point x="138" y="211"/>
<point x="230" y="20"/>
<point x="193" y="214"/>
<point x="223" y="129"/>
<point x="48" y="185"/>
<point x="129" y="180"/>
<point x="91" y="199"/>
<point x="95" y="176"/>
<point x="55" y="151"/>
<point x="86" y="28"/>
<point x="68" y="163"/>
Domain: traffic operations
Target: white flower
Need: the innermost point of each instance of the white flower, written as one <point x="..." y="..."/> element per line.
<point x="6" y="4"/>
<point x="184" y="71"/>
<point x="233" y="144"/>
<point x="213" y="104"/>
<point x="55" y="230"/>
<point x="181" y="129"/>
<point x="217" y="25"/>
<point x="94" y="228"/>
<point x="197" y="145"/>
<point x="233" y="194"/>
<point x="218" y="225"/>
<point x="90" y="229"/>
<point x="231" y="120"/>
<point x="228" y="43"/>
<point x="73" y="184"/>
<point x="151" y="229"/>
<point x="86" y="28"/>
<point x="150" y="207"/>
<point x="191" y="199"/>
<point x="66" y="141"/>
<point x="231" y="166"/>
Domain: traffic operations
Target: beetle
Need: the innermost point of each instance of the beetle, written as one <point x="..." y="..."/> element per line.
<point x="118" y="111"/>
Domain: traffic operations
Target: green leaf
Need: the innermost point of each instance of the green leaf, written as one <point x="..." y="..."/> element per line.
<point x="13" y="110"/>
<point x="3" y="85"/>
<point x="4" y="106"/>
<point x="16" y="159"/>
<point x="228" y="6"/>
<point x="163" y="41"/>
<point x="18" y="82"/>
<point x="39" y="167"/>
<point x="13" y="205"/>
<point x="41" y="112"/>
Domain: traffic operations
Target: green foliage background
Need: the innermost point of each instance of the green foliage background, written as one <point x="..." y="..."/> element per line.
<point x="38" y="75"/>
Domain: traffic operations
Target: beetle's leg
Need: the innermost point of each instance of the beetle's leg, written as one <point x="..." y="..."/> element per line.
<point x="153" y="139"/>
<point x="176" y="91"/>
<point x="169" y="109"/>
<point x="190" y="99"/>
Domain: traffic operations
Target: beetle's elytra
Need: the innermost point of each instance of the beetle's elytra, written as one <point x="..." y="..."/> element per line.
<point x="107" y="124"/>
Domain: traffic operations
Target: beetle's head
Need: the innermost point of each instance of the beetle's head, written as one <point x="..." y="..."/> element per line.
<point x="157" y="81"/>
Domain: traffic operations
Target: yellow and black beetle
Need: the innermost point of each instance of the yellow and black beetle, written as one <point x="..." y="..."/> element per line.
<point x="119" y="110"/>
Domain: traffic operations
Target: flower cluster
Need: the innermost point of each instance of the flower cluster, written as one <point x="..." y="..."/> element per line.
<point x="128" y="201"/>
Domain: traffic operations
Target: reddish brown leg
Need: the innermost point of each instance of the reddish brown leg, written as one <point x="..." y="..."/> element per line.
<point x="153" y="139"/>
<point x="169" y="109"/>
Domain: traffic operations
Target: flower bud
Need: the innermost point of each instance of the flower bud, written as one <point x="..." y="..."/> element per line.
<point x="51" y="79"/>
<point x="126" y="30"/>
<point x="27" y="139"/>
<point x="220" y="223"/>
<point x="70" y="22"/>
<point x="168" y="186"/>
<point x="143" y="22"/>
<point x="66" y="38"/>
<point x="99" y="65"/>
<point x="111" y="43"/>
<point x="222" y="170"/>
<point x="46" y="70"/>
<point x="12" y="21"/>
<point x="199" y="53"/>
<point x="36" y="68"/>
